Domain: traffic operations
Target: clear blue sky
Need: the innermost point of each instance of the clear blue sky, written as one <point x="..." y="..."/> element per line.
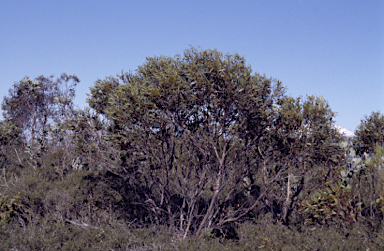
<point x="315" y="47"/>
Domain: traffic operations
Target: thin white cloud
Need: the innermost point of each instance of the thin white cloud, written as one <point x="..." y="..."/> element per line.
<point x="344" y="131"/>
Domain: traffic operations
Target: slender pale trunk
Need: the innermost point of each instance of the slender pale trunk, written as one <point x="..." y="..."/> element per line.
<point x="265" y="178"/>
<point x="182" y="215"/>
<point x="213" y="200"/>
<point x="216" y="187"/>
<point x="288" y="199"/>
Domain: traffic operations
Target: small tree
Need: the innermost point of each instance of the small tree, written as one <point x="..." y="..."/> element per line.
<point x="182" y="121"/>
<point x="377" y="164"/>
<point x="33" y="105"/>
<point x="208" y="141"/>
<point x="368" y="142"/>
<point x="369" y="133"/>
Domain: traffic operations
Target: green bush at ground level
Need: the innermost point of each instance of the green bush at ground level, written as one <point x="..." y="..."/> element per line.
<point x="260" y="235"/>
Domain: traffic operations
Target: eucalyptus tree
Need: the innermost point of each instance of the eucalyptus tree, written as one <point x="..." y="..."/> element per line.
<point x="34" y="105"/>
<point x="368" y="144"/>
<point x="369" y="133"/>
<point x="208" y="140"/>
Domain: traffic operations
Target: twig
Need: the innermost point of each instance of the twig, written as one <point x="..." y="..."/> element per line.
<point x="81" y="225"/>
<point x="18" y="157"/>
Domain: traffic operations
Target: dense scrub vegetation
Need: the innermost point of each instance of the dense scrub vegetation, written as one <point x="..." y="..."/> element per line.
<point x="189" y="152"/>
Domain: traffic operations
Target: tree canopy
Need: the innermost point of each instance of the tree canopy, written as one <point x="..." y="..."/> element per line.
<point x="202" y="123"/>
<point x="370" y="133"/>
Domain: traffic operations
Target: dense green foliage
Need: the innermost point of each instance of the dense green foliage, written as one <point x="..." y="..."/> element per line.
<point x="191" y="147"/>
<point x="370" y="133"/>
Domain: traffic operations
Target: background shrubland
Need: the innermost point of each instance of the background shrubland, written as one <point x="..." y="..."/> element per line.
<point x="188" y="152"/>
